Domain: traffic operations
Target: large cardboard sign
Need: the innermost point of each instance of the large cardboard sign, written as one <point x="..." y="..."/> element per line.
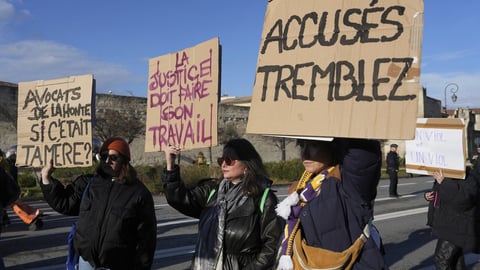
<point x="338" y="68"/>
<point x="55" y="122"/>
<point x="439" y="144"/>
<point x="182" y="100"/>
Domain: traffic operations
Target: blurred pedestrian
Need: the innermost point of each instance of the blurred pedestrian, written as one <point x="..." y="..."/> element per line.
<point x="393" y="165"/>
<point x="453" y="216"/>
<point x="4" y="164"/>
<point x="476" y="159"/>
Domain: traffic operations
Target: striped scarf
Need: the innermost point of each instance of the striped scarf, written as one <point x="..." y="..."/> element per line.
<point x="308" y="188"/>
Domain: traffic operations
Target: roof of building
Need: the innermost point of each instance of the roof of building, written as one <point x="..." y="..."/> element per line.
<point x="236" y="101"/>
<point x="7" y="84"/>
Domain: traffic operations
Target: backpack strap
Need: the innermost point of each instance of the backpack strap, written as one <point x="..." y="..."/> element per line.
<point x="264" y="198"/>
<point x="211" y="195"/>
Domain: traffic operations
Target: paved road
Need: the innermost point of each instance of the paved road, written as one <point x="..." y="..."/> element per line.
<point x="408" y="242"/>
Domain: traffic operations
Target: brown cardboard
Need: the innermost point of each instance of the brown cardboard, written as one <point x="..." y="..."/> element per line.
<point x="182" y="110"/>
<point x="282" y="103"/>
<point x="55" y="122"/>
<point x="439" y="145"/>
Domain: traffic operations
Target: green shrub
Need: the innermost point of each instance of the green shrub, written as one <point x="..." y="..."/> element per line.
<point x="27" y="180"/>
<point x="192" y="174"/>
<point x="284" y="171"/>
<point x="150" y="176"/>
<point x="68" y="175"/>
<point x="31" y="193"/>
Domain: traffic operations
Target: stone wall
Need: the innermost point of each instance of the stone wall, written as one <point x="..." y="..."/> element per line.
<point x="8" y="115"/>
<point x="227" y="115"/>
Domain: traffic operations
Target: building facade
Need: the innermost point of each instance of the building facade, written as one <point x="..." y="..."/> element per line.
<point x="232" y="116"/>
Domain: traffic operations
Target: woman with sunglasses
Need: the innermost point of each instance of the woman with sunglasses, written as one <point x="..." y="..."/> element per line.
<point x="117" y="227"/>
<point x="238" y="226"/>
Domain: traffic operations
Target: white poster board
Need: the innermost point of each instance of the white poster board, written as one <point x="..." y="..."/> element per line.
<point x="439" y="144"/>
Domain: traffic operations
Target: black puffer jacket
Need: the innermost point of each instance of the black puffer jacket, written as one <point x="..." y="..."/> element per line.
<point x="117" y="224"/>
<point x="251" y="237"/>
<point x="454" y="215"/>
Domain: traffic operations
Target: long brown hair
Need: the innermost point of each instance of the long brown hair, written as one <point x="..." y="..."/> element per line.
<point x="128" y="174"/>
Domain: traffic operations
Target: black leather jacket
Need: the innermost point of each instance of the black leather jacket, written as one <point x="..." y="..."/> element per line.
<point x="251" y="237"/>
<point x="117" y="224"/>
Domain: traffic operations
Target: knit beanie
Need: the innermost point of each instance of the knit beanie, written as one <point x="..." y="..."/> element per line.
<point x="118" y="144"/>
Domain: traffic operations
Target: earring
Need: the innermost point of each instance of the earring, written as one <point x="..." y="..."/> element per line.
<point x="245" y="171"/>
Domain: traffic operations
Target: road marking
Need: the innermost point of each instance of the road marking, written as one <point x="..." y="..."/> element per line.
<point x="177" y="222"/>
<point x="171" y="252"/>
<point x="391" y="198"/>
<point x="397" y="214"/>
<point x="190" y="249"/>
<point x="399" y="184"/>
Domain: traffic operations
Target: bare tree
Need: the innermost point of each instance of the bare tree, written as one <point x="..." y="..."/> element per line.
<point x="123" y="120"/>
<point x="227" y="132"/>
<point x="9" y="115"/>
<point x="281" y="143"/>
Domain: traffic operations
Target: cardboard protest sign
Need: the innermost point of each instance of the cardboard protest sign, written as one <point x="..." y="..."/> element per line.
<point x="439" y="144"/>
<point x="333" y="68"/>
<point x="55" y="122"/>
<point x="182" y="102"/>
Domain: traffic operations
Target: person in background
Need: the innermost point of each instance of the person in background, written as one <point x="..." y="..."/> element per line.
<point x="117" y="226"/>
<point x="329" y="213"/>
<point x="4" y="220"/>
<point x="27" y="213"/>
<point x="3" y="175"/>
<point x="393" y="165"/>
<point x="453" y="216"/>
<point x="4" y="162"/>
<point x="238" y="226"/>
<point x="475" y="159"/>
<point x="11" y="157"/>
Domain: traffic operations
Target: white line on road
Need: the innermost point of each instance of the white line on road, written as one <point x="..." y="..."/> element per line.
<point x="397" y="214"/>
<point x="184" y="250"/>
<point x="400" y="184"/>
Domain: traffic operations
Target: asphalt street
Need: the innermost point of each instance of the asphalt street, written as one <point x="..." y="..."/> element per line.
<point x="408" y="241"/>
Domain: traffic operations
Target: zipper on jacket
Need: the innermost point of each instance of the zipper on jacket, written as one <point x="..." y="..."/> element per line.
<point x="101" y="233"/>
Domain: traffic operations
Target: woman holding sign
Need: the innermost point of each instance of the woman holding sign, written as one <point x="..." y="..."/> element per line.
<point x="117" y="227"/>
<point x="330" y="210"/>
<point x="238" y="226"/>
<point x="453" y="216"/>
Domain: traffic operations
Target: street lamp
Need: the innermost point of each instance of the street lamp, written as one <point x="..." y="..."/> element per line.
<point x="453" y="87"/>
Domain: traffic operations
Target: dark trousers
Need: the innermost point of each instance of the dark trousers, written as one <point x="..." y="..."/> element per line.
<point x="393" y="182"/>
<point x="448" y="256"/>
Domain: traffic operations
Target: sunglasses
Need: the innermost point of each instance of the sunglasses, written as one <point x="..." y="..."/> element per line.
<point x="228" y="161"/>
<point x="113" y="158"/>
